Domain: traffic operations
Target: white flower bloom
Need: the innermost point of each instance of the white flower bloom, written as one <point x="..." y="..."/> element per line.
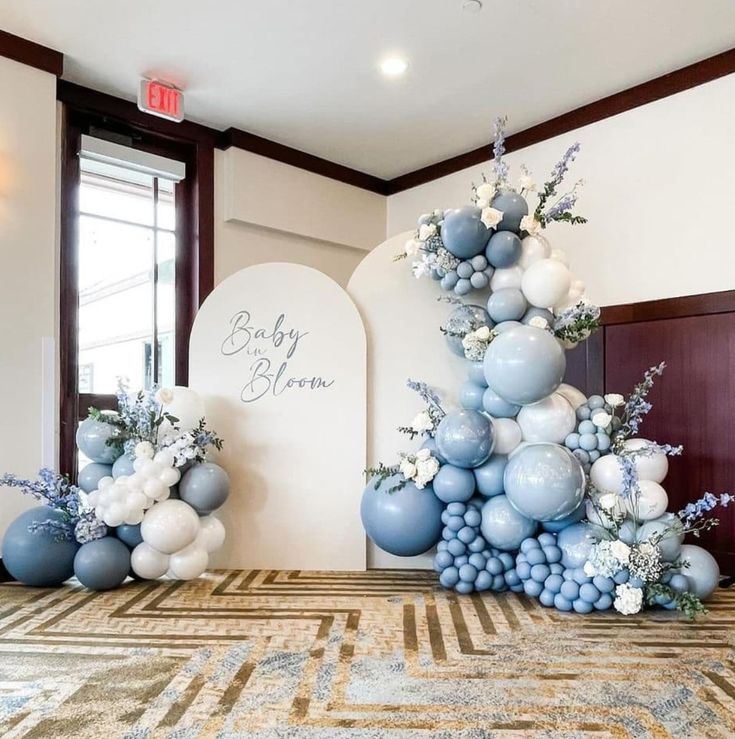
<point x="407" y="469"/>
<point x="421" y="268"/>
<point x="589" y="569"/>
<point x="144" y="450"/>
<point x="526" y="183"/>
<point x="614" y="399"/>
<point x="423" y="454"/>
<point x="491" y="217"/>
<point x="164" y="396"/>
<point x="483" y="333"/>
<point x="601" y="419"/>
<point x="608" y="501"/>
<point x="621" y="551"/>
<point x="482" y="203"/>
<point x="628" y="600"/>
<point x="412" y="247"/>
<point x="538" y="322"/>
<point x="426" y="470"/>
<point x="426" y="231"/>
<point x="530" y="225"/>
<point x="486" y="191"/>
<point x="422" y="422"/>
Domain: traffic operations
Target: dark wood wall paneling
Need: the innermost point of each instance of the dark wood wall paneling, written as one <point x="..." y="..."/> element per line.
<point x="693" y="401"/>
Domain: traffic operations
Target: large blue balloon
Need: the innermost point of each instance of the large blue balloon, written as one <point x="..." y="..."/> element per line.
<point x="524" y="365"/>
<point x="123" y="467"/>
<point x="91" y="474"/>
<point x="667" y="530"/>
<point x="701" y="570"/>
<point x="465" y="438"/>
<point x="502" y="526"/>
<point x="464" y="319"/>
<point x="92" y="438"/>
<point x="205" y="487"/>
<point x="405" y="522"/>
<point x="576" y="515"/>
<point x="507" y="304"/>
<point x="544" y="481"/>
<point x="503" y="249"/>
<point x="514" y="207"/>
<point x="470" y="396"/>
<point x="489" y="476"/>
<point x="463" y="233"/>
<point x="576" y="543"/>
<point x="453" y="484"/>
<point x="35" y="558"/>
<point x="497" y="407"/>
<point x="102" y="564"/>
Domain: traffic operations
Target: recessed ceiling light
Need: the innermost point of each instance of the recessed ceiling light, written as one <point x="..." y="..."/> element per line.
<point x="472" y="6"/>
<point x="393" y="66"/>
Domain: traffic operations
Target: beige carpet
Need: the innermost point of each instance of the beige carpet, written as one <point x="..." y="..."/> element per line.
<point x="378" y="654"/>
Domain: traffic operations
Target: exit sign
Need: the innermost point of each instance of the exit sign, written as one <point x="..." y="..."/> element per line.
<point x="162" y="100"/>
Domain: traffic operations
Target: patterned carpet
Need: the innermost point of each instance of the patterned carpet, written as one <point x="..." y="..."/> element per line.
<point x="337" y="655"/>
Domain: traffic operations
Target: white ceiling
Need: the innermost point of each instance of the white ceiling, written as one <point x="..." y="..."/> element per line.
<point x="304" y="72"/>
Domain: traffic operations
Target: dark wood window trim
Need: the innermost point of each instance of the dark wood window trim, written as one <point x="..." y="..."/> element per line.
<point x="84" y="110"/>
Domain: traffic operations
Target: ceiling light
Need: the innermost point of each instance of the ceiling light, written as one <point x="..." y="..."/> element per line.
<point x="472" y="6"/>
<point x="393" y="66"/>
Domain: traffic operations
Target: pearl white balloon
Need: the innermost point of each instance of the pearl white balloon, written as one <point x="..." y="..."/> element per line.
<point x="187" y="406"/>
<point x="567" y="301"/>
<point x="170" y="476"/>
<point x="104" y="482"/>
<point x="506" y="277"/>
<point x="649" y="466"/>
<point x="115" y="514"/>
<point x="154" y="488"/>
<point x="545" y="283"/>
<point x="606" y="475"/>
<point x="560" y="255"/>
<point x="212" y="533"/>
<point x="650" y="503"/>
<point x="574" y="397"/>
<point x="551" y="419"/>
<point x="507" y="435"/>
<point x="170" y="526"/>
<point x="164" y="457"/>
<point x="533" y="248"/>
<point x="148" y="563"/>
<point x="189" y="562"/>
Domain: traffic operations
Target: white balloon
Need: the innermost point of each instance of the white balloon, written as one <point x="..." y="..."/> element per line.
<point x="606" y="474"/>
<point x="577" y="287"/>
<point x="187" y="406"/>
<point x="93" y="498"/>
<point x="533" y="248"/>
<point x="148" y="563"/>
<point x="566" y="302"/>
<point x="507" y="435"/>
<point x="212" y="533"/>
<point x="105" y="482"/>
<point x="551" y="419"/>
<point x="154" y="488"/>
<point x="574" y="397"/>
<point x="170" y="526"/>
<point x="189" y="562"/>
<point x="506" y="277"/>
<point x="650" y="503"/>
<point x="164" y="457"/>
<point x="649" y="466"/>
<point x="134" y="516"/>
<point x="560" y="256"/>
<point x="545" y="283"/>
<point x="170" y="476"/>
<point x="115" y="514"/>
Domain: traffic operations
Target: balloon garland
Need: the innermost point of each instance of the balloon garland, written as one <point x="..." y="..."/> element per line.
<point x="531" y="486"/>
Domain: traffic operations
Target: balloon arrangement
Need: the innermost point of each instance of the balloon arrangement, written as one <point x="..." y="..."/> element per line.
<point x="531" y="486"/>
<point x="142" y="506"/>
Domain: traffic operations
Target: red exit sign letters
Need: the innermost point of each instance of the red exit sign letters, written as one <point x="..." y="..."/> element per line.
<point x="162" y="100"/>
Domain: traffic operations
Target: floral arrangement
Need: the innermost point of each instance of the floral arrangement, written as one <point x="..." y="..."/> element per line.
<point x="420" y="468"/>
<point x="425" y="422"/>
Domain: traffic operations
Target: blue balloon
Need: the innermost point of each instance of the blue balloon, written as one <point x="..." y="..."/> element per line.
<point x="668" y="526"/>
<point x="507" y="304"/>
<point x="502" y="526"/>
<point x="497" y="407"/>
<point x="576" y="515"/>
<point x="463" y="232"/>
<point x="205" y="487"/>
<point x="92" y="438"/>
<point x="405" y="522"/>
<point x="430" y="444"/>
<point x="489" y="476"/>
<point x="513" y="207"/>
<point x="576" y="542"/>
<point x="102" y="564"/>
<point x="476" y="373"/>
<point x="544" y="482"/>
<point x="453" y="484"/>
<point x="701" y="571"/>
<point x="504" y="326"/>
<point x="123" y="467"/>
<point x="129" y="534"/>
<point x="503" y="249"/>
<point x="92" y="473"/>
<point x="465" y="438"/>
<point x="470" y="396"/>
<point x="35" y="558"/>
<point x="524" y="365"/>
<point x="462" y="320"/>
<point x="533" y="312"/>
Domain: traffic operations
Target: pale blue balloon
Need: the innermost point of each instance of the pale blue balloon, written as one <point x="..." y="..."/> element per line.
<point x="576" y="542"/>
<point x="123" y="467"/>
<point x="489" y="476"/>
<point x="465" y="438"/>
<point x="405" y="522"/>
<point x="544" y="482"/>
<point x="449" y="280"/>
<point x="503" y="249"/>
<point x="534" y="312"/>
<point x="702" y="572"/>
<point x="36" y="558"/>
<point x="430" y="444"/>
<point x="668" y="526"/>
<point x="507" y="304"/>
<point x="205" y="487"/>
<point x="453" y="484"/>
<point x="476" y="373"/>
<point x="497" y="407"/>
<point x="504" y="326"/>
<point x="463" y="232"/>
<point x="502" y="526"/>
<point x="129" y="534"/>
<point x="463" y="319"/>
<point x="479" y="280"/>
<point x="92" y="438"/>
<point x="92" y="473"/>
<point x="102" y="564"/>
<point x="463" y="286"/>
<point x="576" y="515"/>
<point x="470" y="396"/>
<point x="524" y="365"/>
<point x="513" y="206"/>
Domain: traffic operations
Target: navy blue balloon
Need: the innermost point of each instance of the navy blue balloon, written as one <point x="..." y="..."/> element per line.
<point x="91" y="474"/>
<point x="129" y="534"/>
<point x="470" y="396"/>
<point x="463" y="319"/>
<point x="514" y="207"/>
<point x="463" y="233"/>
<point x="102" y="564"/>
<point x="489" y="476"/>
<point x="465" y="438"/>
<point x="453" y="484"/>
<point x="507" y="304"/>
<point x="92" y="438"/>
<point x="35" y="558"/>
<point x="405" y="522"/>
<point x="205" y="487"/>
<point x="503" y="249"/>
<point x="497" y="407"/>
<point x="123" y="467"/>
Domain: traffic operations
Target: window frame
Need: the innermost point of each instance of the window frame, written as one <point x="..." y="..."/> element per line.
<point x="191" y="144"/>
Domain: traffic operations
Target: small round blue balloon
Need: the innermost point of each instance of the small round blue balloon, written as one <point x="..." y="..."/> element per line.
<point x="123" y="467"/>
<point x="453" y="484"/>
<point x="470" y="396"/>
<point x="503" y="249"/>
<point x="513" y="207"/>
<point x="91" y="474"/>
<point x="205" y="487"/>
<point x="497" y="407"/>
<point x="502" y="526"/>
<point x="489" y="476"/>
<point x="463" y="232"/>
<point x="92" y="439"/>
<point x="507" y="304"/>
<point x="129" y="534"/>
<point x="465" y="438"/>
<point x="102" y="564"/>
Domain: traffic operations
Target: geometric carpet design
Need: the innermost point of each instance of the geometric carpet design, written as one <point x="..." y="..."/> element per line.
<point x="272" y="654"/>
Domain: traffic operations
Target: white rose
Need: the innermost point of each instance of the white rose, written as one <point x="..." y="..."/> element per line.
<point x="412" y="247"/>
<point x="491" y="217"/>
<point x="621" y="551"/>
<point x="589" y="569"/>
<point x="423" y="454"/>
<point x="485" y="191"/>
<point x="526" y="183"/>
<point x="614" y="399"/>
<point x="483" y="333"/>
<point x="482" y="203"/>
<point x="426" y="231"/>
<point x="608" y="501"/>
<point x="426" y="469"/>
<point x="407" y="469"/>
<point x="601" y="419"/>
<point x="530" y="225"/>
<point x="422" y="422"/>
<point x="144" y="450"/>
<point x="164" y="396"/>
<point x="628" y="600"/>
<point x="538" y="322"/>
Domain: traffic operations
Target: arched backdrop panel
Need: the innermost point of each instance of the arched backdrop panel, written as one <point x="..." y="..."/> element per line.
<point x="278" y="353"/>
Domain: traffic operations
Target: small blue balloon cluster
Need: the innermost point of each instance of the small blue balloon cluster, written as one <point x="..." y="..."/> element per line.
<point x="468" y="274"/>
<point x="590" y="441"/>
<point x="536" y="561"/>
<point x="464" y="560"/>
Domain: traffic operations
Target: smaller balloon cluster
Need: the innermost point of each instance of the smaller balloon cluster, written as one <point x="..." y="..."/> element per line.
<point x="593" y="436"/>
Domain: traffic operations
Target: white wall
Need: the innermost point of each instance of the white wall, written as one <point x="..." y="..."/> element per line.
<point x="28" y="275"/>
<point x="658" y="195"/>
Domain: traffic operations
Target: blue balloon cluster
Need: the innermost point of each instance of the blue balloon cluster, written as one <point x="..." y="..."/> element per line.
<point x="469" y="274"/>
<point x="574" y="590"/>
<point x="464" y="560"/>
<point x="589" y="442"/>
<point x="537" y="560"/>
